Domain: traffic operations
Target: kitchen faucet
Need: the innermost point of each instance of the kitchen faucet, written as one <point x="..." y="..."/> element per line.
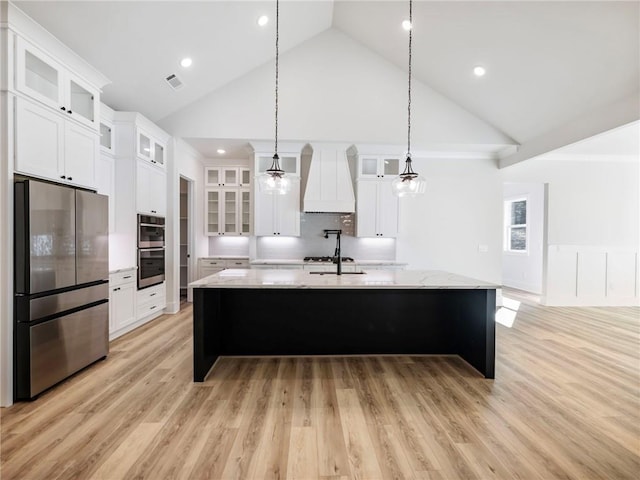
<point x="336" y="254"/>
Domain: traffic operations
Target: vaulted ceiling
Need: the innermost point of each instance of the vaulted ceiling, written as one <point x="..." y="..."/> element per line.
<point x="548" y="64"/>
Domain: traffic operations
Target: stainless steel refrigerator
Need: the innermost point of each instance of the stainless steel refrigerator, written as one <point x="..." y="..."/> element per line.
<point x="61" y="283"/>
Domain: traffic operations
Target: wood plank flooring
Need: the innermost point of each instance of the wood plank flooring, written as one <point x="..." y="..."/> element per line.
<point x="565" y="404"/>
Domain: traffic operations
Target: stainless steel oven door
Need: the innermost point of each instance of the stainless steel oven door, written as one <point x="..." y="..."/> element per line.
<point x="151" y="231"/>
<point x="150" y="266"/>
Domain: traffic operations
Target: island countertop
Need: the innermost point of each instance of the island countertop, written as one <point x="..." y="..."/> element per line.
<point x="387" y="279"/>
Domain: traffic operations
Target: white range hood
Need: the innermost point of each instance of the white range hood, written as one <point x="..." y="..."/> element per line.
<point x="329" y="187"/>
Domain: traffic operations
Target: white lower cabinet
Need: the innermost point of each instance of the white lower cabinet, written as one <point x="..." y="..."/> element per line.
<point x="151" y="301"/>
<point x="130" y="308"/>
<point x="210" y="265"/>
<point x="122" y="302"/>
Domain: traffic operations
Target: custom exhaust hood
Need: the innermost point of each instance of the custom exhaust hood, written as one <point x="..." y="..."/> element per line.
<point x="329" y="185"/>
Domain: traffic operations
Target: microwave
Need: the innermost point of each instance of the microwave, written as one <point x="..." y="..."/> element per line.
<point x="151" y="231"/>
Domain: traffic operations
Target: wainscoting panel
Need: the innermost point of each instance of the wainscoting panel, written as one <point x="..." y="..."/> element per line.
<point x="591" y="276"/>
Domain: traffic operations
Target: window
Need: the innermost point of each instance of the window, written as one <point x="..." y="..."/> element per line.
<point x="515" y="219"/>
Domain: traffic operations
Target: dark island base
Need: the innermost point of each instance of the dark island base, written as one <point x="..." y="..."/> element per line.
<point x="246" y="321"/>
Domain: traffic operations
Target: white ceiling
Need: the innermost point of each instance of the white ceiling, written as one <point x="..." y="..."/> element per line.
<point x="548" y="62"/>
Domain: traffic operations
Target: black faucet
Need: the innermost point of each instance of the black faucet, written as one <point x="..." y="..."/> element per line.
<point x="337" y="255"/>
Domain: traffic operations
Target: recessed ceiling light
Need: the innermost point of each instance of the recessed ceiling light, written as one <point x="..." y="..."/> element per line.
<point x="263" y="20"/>
<point x="221" y="151"/>
<point x="406" y="24"/>
<point x="479" y="71"/>
<point x="186" y="62"/>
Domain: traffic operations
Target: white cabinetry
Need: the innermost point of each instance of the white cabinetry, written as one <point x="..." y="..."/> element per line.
<point x="151" y="301"/>
<point x="278" y="214"/>
<point x="151" y="193"/>
<point x="376" y="206"/>
<point x="46" y="80"/>
<point x="377" y="209"/>
<point x="227" y="201"/>
<point x="105" y="163"/>
<point x="227" y="177"/>
<point x="378" y="166"/>
<point x="209" y="266"/>
<point x="122" y="302"/>
<point x="49" y="146"/>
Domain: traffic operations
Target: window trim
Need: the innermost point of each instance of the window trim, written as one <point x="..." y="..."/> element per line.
<point x="507" y="225"/>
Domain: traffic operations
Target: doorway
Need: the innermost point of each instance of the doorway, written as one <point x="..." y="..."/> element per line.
<point x="185" y="236"/>
<point x="524" y="239"/>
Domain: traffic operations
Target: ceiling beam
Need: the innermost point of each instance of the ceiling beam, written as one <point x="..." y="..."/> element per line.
<point x="598" y="121"/>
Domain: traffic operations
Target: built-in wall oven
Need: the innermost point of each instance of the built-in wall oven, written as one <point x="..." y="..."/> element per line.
<point x="151" y="250"/>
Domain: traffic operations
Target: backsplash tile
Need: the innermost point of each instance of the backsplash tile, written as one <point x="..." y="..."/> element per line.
<point x="312" y="242"/>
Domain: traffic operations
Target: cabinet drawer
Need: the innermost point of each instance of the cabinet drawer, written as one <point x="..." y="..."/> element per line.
<point x="204" y="263"/>
<point x="150" y="307"/>
<point x="240" y="263"/>
<point x="120" y="278"/>
<point x="151" y="293"/>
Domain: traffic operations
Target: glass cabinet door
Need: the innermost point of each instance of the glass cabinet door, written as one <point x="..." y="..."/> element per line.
<point x="81" y="102"/>
<point x="158" y="153"/>
<point x="106" y="137"/>
<point x="391" y="167"/>
<point x="230" y="177"/>
<point x="144" y="146"/>
<point x="230" y="211"/>
<point x="245" y="213"/>
<point x="213" y="212"/>
<point x="245" y="177"/>
<point x="369" y="167"/>
<point x="212" y="177"/>
<point x="38" y="76"/>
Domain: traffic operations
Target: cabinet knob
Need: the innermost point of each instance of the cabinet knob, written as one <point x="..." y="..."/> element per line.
<point x="63" y="109"/>
<point x="69" y="111"/>
<point x="69" y="178"/>
<point x="128" y="276"/>
<point x="63" y="177"/>
<point x="116" y="289"/>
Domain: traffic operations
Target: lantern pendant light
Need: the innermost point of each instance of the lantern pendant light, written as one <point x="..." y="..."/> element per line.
<point x="273" y="181"/>
<point x="409" y="183"/>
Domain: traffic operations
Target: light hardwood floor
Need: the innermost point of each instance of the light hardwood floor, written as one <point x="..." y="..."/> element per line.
<point x="565" y="404"/>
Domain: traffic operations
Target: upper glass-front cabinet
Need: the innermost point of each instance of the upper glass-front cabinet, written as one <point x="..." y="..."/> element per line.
<point x="379" y="166"/>
<point x="150" y="149"/>
<point x="290" y="163"/>
<point x="106" y="137"/>
<point x="42" y="78"/>
<point x="227" y="177"/>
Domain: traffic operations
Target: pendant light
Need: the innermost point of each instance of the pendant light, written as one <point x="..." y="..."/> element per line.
<point x="409" y="183"/>
<point x="273" y="181"/>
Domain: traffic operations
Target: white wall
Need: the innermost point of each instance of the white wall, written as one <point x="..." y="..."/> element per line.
<point x="593" y="227"/>
<point x="524" y="270"/>
<point x="185" y="162"/>
<point x="460" y="214"/>
<point x="331" y="89"/>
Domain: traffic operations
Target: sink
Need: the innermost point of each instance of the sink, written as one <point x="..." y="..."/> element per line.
<point x="335" y="273"/>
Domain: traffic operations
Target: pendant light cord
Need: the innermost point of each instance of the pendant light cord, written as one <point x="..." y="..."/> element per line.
<point x="409" y="93"/>
<point x="277" y="55"/>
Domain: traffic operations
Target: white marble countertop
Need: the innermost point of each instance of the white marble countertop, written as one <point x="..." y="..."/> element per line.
<point x="402" y="279"/>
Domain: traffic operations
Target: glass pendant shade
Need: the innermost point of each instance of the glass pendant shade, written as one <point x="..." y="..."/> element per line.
<point x="408" y="183"/>
<point x="410" y="186"/>
<point x="273" y="181"/>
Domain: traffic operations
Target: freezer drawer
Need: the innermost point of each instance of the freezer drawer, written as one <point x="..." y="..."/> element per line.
<point x="55" y="349"/>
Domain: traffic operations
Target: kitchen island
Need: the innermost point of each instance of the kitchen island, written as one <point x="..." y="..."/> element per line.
<point x="241" y="312"/>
